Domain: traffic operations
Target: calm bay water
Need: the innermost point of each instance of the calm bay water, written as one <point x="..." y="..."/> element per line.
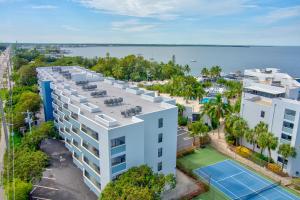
<point x="229" y="58"/>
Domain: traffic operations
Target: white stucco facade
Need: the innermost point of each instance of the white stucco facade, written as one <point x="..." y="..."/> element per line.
<point x="104" y="142"/>
<point x="273" y="97"/>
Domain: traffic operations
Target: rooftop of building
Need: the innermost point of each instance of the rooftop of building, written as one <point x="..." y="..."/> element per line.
<point x="272" y="77"/>
<point x="95" y="107"/>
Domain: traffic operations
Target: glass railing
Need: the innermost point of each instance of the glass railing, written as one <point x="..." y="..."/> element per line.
<point x="289" y="117"/>
<point x="287" y="130"/>
<point x="118" y="149"/>
<point x="90" y="133"/>
<point x="118" y="168"/>
<point x="284" y="141"/>
<point x="91" y="149"/>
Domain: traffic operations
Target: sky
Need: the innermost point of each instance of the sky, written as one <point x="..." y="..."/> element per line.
<point x="224" y="22"/>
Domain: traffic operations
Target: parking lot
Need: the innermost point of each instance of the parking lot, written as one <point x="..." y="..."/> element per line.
<point x="183" y="139"/>
<point x="62" y="180"/>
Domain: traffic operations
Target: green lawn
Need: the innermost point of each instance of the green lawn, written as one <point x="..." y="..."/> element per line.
<point x="201" y="158"/>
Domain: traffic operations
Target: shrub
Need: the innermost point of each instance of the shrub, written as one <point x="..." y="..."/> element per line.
<point x="276" y="169"/>
<point x="182" y="121"/>
<point x="185" y="152"/>
<point x="243" y="151"/>
<point x="230" y="139"/>
<point x="22" y="190"/>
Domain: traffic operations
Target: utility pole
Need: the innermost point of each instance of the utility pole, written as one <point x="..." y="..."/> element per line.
<point x="28" y="119"/>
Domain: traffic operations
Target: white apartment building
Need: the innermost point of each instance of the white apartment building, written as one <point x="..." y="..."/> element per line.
<point x="273" y="97"/>
<point x="109" y="125"/>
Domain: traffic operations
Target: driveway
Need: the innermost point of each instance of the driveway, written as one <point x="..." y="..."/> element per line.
<point x="183" y="139"/>
<point x="62" y="180"/>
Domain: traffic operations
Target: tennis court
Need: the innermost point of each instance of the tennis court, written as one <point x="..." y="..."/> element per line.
<point x="237" y="182"/>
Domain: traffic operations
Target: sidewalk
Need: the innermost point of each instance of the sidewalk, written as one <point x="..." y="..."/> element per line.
<point x="2" y="151"/>
<point x="221" y="146"/>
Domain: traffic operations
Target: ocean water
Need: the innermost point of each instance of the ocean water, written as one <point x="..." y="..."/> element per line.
<point x="231" y="59"/>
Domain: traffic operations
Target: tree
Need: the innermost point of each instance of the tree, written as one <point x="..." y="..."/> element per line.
<point x="262" y="141"/>
<point x="18" y="190"/>
<point x="205" y="72"/>
<point x="198" y="129"/>
<point x="199" y="92"/>
<point x="181" y="109"/>
<point x="272" y="143"/>
<point x="188" y="93"/>
<point x="29" y="101"/>
<point x="251" y="137"/>
<point x="215" y="71"/>
<point x="216" y="109"/>
<point x="27" y="75"/>
<point x="137" y="183"/>
<point x="286" y="151"/>
<point x="239" y="129"/>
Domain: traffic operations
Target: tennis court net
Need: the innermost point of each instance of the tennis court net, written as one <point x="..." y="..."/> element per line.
<point x="257" y="192"/>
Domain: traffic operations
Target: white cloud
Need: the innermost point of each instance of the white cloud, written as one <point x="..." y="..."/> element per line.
<point x="132" y="25"/>
<point x="167" y="9"/>
<point x="44" y="7"/>
<point x="280" y="14"/>
<point x="70" y="28"/>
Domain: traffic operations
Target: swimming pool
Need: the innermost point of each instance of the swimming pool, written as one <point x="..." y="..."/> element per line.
<point x="206" y="100"/>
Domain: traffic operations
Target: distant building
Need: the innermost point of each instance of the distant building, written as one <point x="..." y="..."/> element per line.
<point x="109" y="125"/>
<point x="273" y="97"/>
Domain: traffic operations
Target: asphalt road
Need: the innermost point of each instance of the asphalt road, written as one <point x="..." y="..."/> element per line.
<point x="4" y="62"/>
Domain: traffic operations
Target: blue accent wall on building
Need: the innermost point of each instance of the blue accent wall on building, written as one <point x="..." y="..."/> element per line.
<point x="47" y="100"/>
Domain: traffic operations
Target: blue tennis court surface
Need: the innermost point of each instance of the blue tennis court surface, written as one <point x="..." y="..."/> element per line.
<point x="237" y="182"/>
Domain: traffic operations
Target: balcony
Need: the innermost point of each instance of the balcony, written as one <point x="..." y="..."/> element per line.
<point x="93" y="168"/>
<point x="289" y="117"/>
<point x="287" y="130"/>
<point x="284" y="141"/>
<point x="92" y="185"/>
<point x="118" y="149"/>
<point x="74" y="122"/>
<point x="118" y="168"/>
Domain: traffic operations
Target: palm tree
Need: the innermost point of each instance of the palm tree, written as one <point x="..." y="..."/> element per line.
<point x="216" y="109"/>
<point x="239" y="129"/>
<point x="187" y="69"/>
<point x="229" y="120"/>
<point x="215" y="71"/>
<point x="188" y="93"/>
<point x="272" y="143"/>
<point x="261" y="127"/>
<point x="262" y="141"/>
<point x="199" y="92"/>
<point x="286" y="151"/>
<point x="198" y="129"/>
<point x="181" y="109"/>
<point x="205" y="72"/>
<point x="251" y="137"/>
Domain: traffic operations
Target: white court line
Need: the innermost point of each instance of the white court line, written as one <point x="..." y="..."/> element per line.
<point x="220" y="185"/>
<point x="49" y="178"/>
<point x="248" y="188"/>
<point x="48" y="169"/>
<point x="260" y="179"/>
<point x="229" y="176"/>
<point x="50" y="188"/>
<point x="40" y="198"/>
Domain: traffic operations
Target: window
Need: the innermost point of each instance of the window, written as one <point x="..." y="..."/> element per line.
<point x="288" y="125"/>
<point x="118" y="160"/>
<point x="262" y="114"/>
<point x="286" y="137"/>
<point x="282" y="160"/>
<point x="290" y="112"/>
<point x="75" y="143"/>
<point x="160" y="138"/>
<point x="160" y="122"/>
<point x="117" y="141"/>
<point x="76" y="156"/>
<point x="160" y="151"/>
<point x="159" y="166"/>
